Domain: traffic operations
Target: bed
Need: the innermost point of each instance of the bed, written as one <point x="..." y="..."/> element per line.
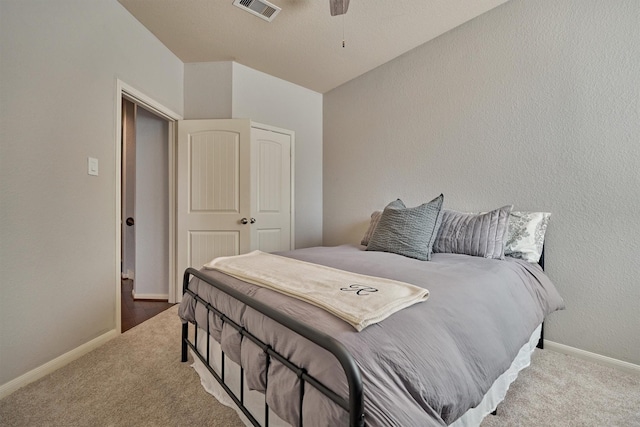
<point x="446" y="361"/>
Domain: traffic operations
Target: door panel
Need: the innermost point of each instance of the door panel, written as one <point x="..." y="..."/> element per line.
<point x="269" y="240"/>
<point x="215" y="163"/>
<point x="269" y="197"/>
<point x="207" y="245"/>
<point x="271" y="190"/>
<point x="213" y="155"/>
<point x="128" y="187"/>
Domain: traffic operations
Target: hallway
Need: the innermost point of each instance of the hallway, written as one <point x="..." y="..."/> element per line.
<point x="135" y="312"/>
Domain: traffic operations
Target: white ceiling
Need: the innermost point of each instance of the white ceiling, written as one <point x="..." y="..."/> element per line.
<point x="303" y="44"/>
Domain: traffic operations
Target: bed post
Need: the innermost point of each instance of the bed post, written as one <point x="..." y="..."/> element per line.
<point x="185" y="333"/>
<point x="185" y="325"/>
<point x="541" y="340"/>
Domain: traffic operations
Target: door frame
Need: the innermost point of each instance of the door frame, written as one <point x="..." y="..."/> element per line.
<point x="123" y="90"/>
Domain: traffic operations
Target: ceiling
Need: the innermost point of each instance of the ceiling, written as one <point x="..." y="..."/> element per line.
<point x="303" y="44"/>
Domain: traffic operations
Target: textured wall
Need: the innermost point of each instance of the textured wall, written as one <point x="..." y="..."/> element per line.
<point x="534" y="103"/>
<point x="58" y="70"/>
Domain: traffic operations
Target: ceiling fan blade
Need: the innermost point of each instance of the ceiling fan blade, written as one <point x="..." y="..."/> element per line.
<point x="338" y="7"/>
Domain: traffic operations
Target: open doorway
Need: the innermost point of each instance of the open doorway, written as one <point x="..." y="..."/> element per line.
<point x="145" y="210"/>
<point x="145" y="244"/>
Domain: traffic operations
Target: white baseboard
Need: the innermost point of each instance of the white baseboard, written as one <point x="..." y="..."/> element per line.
<point x="592" y="357"/>
<point x="150" y="296"/>
<point x="57" y="363"/>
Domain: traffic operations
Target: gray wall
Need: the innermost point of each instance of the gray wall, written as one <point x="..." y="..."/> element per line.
<point x="58" y="272"/>
<point x="208" y="90"/>
<point x="535" y="103"/>
<point x="151" y="207"/>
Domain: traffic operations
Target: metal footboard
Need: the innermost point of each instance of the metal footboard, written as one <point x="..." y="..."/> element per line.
<point x="354" y="405"/>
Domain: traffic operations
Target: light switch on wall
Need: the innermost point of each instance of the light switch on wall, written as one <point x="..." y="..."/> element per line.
<point x="92" y="168"/>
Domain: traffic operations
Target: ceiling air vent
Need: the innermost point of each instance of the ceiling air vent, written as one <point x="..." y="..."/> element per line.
<point x="261" y="8"/>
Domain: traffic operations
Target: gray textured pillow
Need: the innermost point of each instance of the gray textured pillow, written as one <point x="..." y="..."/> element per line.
<point x="375" y="218"/>
<point x="480" y="235"/>
<point x="408" y="231"/>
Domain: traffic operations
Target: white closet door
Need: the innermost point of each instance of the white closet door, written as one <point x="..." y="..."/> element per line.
<point x="271" y="190"/>
<point x="234" y="190"/>
<point x="213" y="171"/>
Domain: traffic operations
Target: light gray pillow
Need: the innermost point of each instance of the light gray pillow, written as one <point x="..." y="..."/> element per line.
<point x="408" y="231"/>
<point x="375" y="218"/>
<point x="480" y="235"/>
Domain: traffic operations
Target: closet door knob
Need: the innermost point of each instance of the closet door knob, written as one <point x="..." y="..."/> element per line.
<point x="244" y="221"/>
<point x="253" y="220"/>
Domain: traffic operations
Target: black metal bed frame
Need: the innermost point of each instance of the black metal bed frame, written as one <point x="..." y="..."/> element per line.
<point x="354" y="405"/>
<point x="541" y="340"/>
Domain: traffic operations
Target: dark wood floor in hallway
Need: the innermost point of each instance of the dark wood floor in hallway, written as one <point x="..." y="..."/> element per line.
<point x="135" y="312"/>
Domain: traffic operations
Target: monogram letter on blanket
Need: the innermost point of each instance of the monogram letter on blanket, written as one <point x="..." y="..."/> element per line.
<point x="357" y="299"/>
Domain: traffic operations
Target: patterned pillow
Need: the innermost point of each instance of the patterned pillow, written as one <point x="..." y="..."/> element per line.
<point x="480" y="235"/>
<point x="375" y="218"/>
<point x="526" y="235"/>
<point x="407" y="231"/>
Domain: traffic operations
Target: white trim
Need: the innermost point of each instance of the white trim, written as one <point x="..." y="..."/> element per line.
<point x="164" y="297"/>
<point x="137" y="97"/>
<point x="57" y="363"/>
<point x="123" y="90"/>
<point x="130" y="274"/>
<point x="175" y="288"/>
<point x="592" y="357"/>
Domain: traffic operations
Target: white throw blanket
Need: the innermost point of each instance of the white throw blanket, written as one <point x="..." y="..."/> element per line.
<point x="355" y="298"/>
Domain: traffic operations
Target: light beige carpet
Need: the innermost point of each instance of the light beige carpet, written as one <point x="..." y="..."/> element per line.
<point x="137" y="380"/>
<point x="563" y="391"/>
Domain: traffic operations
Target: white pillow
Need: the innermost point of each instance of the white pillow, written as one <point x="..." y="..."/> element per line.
<point x="525" y="235"/>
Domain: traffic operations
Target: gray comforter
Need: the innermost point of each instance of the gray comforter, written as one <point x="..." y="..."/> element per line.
<point x="423" y="366"/>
